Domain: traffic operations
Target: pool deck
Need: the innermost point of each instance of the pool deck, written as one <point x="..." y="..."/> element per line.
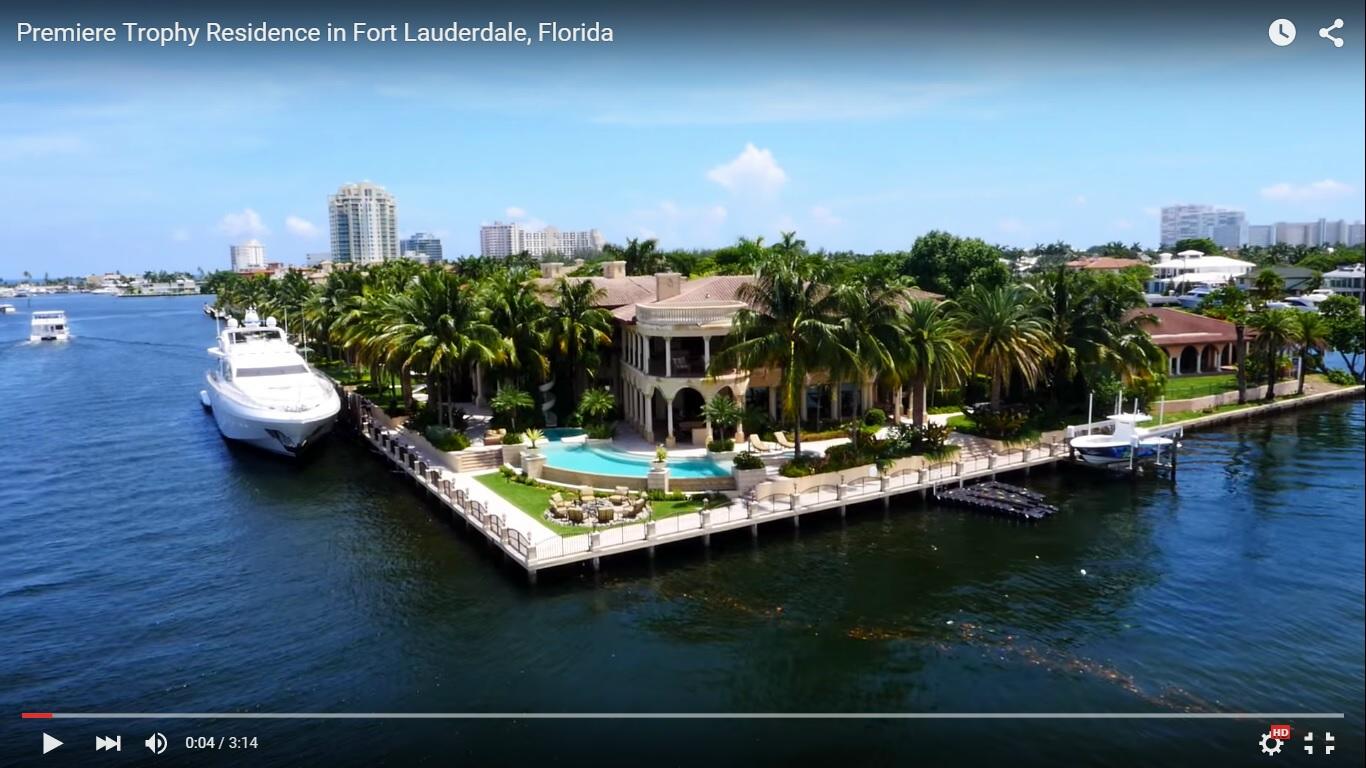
<point x="534" y="547"/>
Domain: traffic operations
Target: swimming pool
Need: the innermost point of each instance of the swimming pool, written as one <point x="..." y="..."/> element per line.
<point x="556" y="434"/>
<point x="596" y="460"/>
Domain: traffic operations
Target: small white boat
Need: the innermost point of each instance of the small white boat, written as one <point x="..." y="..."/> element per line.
<point x="48" y="325"/>
<point x="1309" y="302"/>
<point x="262" y="391"/>
<point x="7" y="309"/>
<point x="1128" y="439"/>
<point x="1193" y="298"/>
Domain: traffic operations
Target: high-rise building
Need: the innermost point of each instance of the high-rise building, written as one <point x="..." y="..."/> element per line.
<point x="248" y="255"/>
<point x="501" y="240"/>
<point x="1261" y="235"/>
<point x="364" y="224"/>
<point x="1225" y="226"/>
<point x="422" y="246"/>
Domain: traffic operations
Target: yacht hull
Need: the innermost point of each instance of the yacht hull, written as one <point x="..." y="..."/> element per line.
<point x="286" y="434"/>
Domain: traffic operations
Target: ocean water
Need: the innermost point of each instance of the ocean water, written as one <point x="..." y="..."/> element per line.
<point x="147" y="566"/>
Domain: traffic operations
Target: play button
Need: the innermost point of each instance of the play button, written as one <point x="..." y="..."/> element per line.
<point x="50" y="743"/>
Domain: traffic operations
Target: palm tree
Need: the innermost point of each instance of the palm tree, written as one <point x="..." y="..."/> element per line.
<point x="1228" y="302"/>
<point x="1310" y="333"/>
<point x="576" y="328"/>
<point x="518" y="314"/>
<point x="437" y="326"/>
<point x="596" y="406"/>
<point x="1275" y="331"/>
<point x="793" y="323"/>
<point x="931" y="353"/>
<point x="1004" y="334"/>
<point x="642" y="257"/>
<point x="1267" y="285"/>
<point x="723" y="413"/>
<point x="508" y="401"/>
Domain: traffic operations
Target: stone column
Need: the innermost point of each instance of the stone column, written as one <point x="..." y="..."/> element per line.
<point x="835" y="401"/>
<point x="669" y="359"/>
<point x="706" y="352"/>
<point x="645" y="346"/>
<point x="1199" y="359"/>
<point x="669" y="416"/>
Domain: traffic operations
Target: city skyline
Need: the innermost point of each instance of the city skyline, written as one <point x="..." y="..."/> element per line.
<point x="692" y="135"/>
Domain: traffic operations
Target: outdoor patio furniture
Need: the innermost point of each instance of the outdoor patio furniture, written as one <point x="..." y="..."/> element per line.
<point x="494" y="436"/>
<point x="781" y="437"/>
<point x="759" y="446"/>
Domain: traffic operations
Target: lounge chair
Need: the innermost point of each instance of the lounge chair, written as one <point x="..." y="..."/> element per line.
<point x="759" y="446"/>
<point x="781" y="438"/>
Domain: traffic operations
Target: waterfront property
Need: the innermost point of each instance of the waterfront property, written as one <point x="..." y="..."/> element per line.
<point x="666" y="331"/>
<point x="1194" y="344"/>
<point x="1193" y="268"/>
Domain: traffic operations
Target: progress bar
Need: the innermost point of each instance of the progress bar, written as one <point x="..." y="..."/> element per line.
<point x="683" y="715"/>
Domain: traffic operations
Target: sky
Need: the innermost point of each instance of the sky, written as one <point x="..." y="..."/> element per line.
<point x="858" y="125"/>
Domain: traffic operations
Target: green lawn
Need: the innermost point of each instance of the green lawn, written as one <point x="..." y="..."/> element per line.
<point x="535" y="500"/>
<point x="1183" y="387"/>
<point x="1172" y="418"/>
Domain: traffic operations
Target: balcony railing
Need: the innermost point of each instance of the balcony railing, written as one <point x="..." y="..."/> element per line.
<point x="710" y="313"/>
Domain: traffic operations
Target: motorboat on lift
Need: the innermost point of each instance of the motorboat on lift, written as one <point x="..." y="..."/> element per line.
<point x="262" y="391"/>
<point x="1126" y="441"/>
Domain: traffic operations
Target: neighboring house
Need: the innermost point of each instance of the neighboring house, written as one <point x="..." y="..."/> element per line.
<point x="1188" y="269"/>
<point x="1297" y="279"/>
<point x="1347" y="280"/>
<point x="667" y="330"/>
<point x="1193" y="343"/>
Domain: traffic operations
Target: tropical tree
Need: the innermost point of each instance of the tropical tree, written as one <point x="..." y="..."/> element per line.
<point x="1275" y="331"/>
<point x="1310" y="334"/>
<point x="437" y="326"/>
<point x="1346" y="331"/>
<point x="723" y="413"/>
<point x="1267" y="285"/>
<point x="508" y="402"/>
<point x="596" y="406"/>
<point x="1005" y="334"/>
<point x="518" y="314"/>
<point x="793" y="324"/>
<point x="576" y="328"/>
<point x="931" y="353"/>
<point x="1229" y="303"/>
<point x="642" y="257"/>
<point x="948" y="264"/>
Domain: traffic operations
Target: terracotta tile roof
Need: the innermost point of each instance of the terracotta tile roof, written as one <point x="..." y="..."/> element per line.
<point x="1104" y="262"/>
<point x="1171" y="327"/>
<point x="617" y="291"/>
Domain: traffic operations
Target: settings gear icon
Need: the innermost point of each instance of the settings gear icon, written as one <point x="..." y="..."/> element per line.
<point x="1270" y="744"/>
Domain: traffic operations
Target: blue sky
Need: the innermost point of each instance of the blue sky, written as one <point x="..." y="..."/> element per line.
<point x="860" y="132"/>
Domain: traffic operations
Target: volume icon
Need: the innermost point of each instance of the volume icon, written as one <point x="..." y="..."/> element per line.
<point x="156" y="742"/>
<point x="104" y="743"/>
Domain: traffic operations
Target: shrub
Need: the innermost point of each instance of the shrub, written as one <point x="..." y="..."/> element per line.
<point x="1341" y="378"/>
<point x="748" y="460"/>
<point x="601" y="431"/>
<point x="446" y="439"/>
<point x="797" y="468"/>
<point x="658" y="495"/>
<point x="721" y="446"/>
<point x="875" y="417"/>
<point x="507" y="472"/>
<point x="534" y="436"/>
<point x="756" y="422"/>
<point x="512" y="438"/>
<point x="661" y="453"/>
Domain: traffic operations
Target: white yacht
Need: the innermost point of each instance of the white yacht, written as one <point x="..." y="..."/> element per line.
<point x="1309" y="302"/>
<point x="1193" y="298"/>
<point x="48" y="325"/>
<point x="263" y="392"/>
<point x="1127" y="438"/>
<point x="7" y="309"/>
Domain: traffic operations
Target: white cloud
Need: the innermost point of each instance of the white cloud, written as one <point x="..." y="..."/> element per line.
<point x="244" y="223"/>
<point x="824" y="217"/>
<point x="297" y="225"/>
<point x="1326" y="189"/>
<point x="674" y="224"/>
<point x="180" y="234"/>
<point x="752" y="172"/>
<point x="514" y="212"/>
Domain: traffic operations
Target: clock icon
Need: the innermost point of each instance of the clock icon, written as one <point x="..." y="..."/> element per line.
<point x="1281" y="32"/>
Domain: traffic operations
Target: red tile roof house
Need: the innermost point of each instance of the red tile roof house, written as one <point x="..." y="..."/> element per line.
<point x="1193" y="343"/>
<point x="1104" y="264"/>
<point x="667" y="329"/>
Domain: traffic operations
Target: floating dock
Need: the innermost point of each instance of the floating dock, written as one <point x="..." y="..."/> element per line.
<point x="999" y="499"/>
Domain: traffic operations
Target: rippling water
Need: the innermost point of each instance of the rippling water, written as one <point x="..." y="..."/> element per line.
<point x="145" y="565"/>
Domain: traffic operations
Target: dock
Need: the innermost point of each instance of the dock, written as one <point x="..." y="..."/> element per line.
<point x="780" y="500"/>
